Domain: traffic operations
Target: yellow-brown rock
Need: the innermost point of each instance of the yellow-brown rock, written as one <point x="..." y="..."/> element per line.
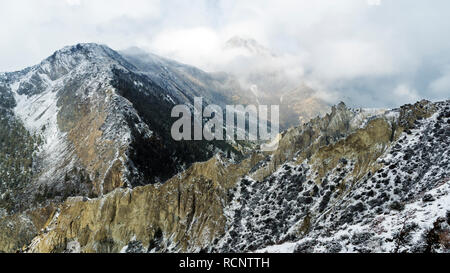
<point x="187" y="209"/>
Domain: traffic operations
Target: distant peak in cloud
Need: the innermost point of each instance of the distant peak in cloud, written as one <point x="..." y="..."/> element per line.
<point x="248" y="44"/>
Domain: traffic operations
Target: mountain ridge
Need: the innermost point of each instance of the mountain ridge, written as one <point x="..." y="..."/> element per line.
<point x="90" y="107"/>
<point x="99" y="172"/>
<point x="301" y="205"/>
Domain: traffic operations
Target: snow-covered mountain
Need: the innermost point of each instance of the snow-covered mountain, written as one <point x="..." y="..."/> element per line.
<point x="88" y="139"/>
<point x="106" y="118"/>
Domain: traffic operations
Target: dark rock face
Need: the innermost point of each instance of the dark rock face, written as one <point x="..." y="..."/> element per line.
<point x="159" y="157"/>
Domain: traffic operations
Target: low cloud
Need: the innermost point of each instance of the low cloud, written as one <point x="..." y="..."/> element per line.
<point x="368" y="53"/>
<point x="440" y="87"/>
<point x="404" y="94"/>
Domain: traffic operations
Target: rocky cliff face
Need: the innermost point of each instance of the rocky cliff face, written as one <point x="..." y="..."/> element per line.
<point x="184" y="214"/>
<point x="99" y="172"/>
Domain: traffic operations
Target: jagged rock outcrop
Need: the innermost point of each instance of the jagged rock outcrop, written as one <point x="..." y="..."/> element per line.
<point x="305" y="140"/>
<point x="183" y="214"/>
<point x="383" y="188"/>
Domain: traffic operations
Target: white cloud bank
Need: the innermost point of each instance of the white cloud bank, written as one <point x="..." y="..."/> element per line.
<point x="373" y="53"/>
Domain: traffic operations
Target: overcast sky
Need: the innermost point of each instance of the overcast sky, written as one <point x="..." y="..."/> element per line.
<point x="372" y="53"/>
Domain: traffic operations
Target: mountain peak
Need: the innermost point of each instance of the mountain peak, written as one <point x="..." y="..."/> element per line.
<point x="82" y="57"/>
<point x="85" y="51"/>
<point x="85" y="47"/>
<point x="341" y="106"/>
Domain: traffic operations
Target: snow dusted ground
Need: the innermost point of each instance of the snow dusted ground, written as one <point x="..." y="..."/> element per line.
<point x="403" y="207"/>
<point x="416" y="217"/>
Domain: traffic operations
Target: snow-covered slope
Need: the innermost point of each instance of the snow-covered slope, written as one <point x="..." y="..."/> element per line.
<point x="55" y="98"/>
<point x="361" y="194"/>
